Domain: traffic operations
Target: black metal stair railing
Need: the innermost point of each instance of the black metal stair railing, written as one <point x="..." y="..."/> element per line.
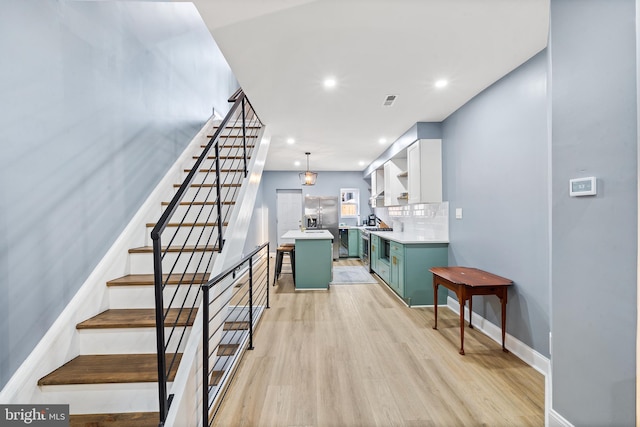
<point x="227" y="329"/>
<point x="195" y="232"/>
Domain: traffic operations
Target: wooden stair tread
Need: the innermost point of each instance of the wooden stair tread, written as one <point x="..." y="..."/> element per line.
<point x="246" y="126"/>
<point x="230" y="147"/>
<point x="188" y="248"/>
<point x="227" y="349"/>
<point x="210" y="185"/>
<point x="224" y="157"/>
<point x="235" y="326"/>
<point x="147" y="279"/>
<point x="235" y="136"/>
<point x="109" y="369"/>
<point x="190" y="224"/>
<point x="227" y="202"/>
<point x="136" y="318"/>
<point x="213" y="170"/>
<point x="215" y="378"/>
<point x="128" y="419"/>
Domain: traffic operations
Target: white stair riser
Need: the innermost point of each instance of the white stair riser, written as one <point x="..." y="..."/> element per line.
<point x="222" y="363"/>
<point x="104" y="398"/>
<point x="233" y="337"/>
<point x="127" y="340"/>
<point x="142" y="263"/>
<point x="225" y="163"/>
<point x="198" y="236"/>
<point x="210" y="178"/>
<point x="184" y="214"/>
<point x="209" y="194"/>
<point x="233" y="148"/>
<point x="144" y="296"/>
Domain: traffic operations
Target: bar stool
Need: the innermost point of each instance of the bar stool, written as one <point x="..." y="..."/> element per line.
<point x="288" y="248"/>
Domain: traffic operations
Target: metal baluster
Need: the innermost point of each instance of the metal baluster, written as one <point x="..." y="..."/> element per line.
<point x="162" y="363"/>
<point x="244" y="137"/>
<point x="205" y="355"/>
<point x="219" y="202"/>
<point x="251" y="303"/>
<point x="268" y="275"/>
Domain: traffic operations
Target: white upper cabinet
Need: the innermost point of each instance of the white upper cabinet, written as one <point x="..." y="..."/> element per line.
<point x="395" y="182"/>
<point x="424" y="166"/>
<point x="377" y="188"/>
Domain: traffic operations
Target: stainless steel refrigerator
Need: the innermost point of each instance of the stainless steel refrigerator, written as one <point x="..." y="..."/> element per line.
<point x="321" y="212"/>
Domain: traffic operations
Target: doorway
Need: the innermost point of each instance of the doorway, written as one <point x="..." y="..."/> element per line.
<point x="288" y="212"/>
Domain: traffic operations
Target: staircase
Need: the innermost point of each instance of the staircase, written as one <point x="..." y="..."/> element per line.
<point x="114" y="380"/>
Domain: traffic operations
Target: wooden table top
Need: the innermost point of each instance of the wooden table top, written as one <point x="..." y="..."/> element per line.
<point x="470" y="276"/>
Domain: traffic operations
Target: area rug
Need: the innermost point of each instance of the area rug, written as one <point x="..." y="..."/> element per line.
<point x="349" y="275"/>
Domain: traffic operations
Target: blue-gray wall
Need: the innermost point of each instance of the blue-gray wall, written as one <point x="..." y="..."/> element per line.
<point x="97" y="100"/>
<point x="594" y="244"/>
<point x="495" y="153"/>
<point x="328" y="184"/>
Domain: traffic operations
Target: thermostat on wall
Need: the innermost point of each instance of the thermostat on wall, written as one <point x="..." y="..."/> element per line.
<point x="582" y="186"/>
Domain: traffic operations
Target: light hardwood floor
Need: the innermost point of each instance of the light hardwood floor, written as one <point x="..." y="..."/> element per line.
<point x="356" y="356"/>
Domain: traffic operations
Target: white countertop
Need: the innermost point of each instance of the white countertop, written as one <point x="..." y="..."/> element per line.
<point x="308" y="235"/>
<point x="406" y="238"/>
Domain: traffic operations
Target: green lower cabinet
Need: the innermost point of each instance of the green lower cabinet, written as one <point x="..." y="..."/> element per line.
<point x="314" y="262"/>
<point x="360" y="253"/>
<point x="383" y="269"/>
<point x="353" y="242"/>
<point x="396" y="277"/>
<point x="409" y="274"/>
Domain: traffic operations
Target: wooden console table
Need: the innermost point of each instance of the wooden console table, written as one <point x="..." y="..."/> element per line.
<point x="467" y="282"/>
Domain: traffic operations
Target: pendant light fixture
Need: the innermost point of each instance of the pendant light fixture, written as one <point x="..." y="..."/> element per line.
<point x="308" y="177"/>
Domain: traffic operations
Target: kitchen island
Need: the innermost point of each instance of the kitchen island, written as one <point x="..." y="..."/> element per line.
<point x="314" y="258"/>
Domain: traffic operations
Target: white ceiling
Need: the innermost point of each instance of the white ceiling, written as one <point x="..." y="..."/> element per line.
<point x="282" y="50"/>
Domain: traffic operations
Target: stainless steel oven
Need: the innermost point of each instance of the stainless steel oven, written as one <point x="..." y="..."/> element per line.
<point x="365" y="248"/>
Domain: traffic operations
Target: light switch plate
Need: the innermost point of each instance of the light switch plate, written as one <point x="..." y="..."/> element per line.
<point x="458" y="213"/>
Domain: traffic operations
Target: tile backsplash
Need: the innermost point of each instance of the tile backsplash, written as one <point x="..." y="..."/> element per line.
<point x="428" y="220"/>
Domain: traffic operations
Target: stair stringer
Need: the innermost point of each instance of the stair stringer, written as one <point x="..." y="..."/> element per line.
<point x="185" y="409"/>
<point x="61" y="342"/>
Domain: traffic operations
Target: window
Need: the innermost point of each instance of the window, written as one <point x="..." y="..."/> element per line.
<point x="349" y="202"/>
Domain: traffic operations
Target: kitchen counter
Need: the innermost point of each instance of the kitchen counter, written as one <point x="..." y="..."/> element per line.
<point x="406" y="238"/>
<point x="308" y="235"/>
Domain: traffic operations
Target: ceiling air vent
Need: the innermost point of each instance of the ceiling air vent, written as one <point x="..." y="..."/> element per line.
<point x="389" y="100"/>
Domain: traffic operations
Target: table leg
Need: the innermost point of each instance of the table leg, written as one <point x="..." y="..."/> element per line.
<point x="435" y="302"/>
<point x="461" y="300"/>
<point x="503" y="301"/>
<point x="470" y="311"/>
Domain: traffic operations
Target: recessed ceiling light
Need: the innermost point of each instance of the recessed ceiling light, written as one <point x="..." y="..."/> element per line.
<point x="441" y="83"/>
<point x="330" y="83"/>
<point x="361" y="163"/>
<point x="296" y="163"/>
<point x="382" y="140"/>
<point x="290" y="141"/>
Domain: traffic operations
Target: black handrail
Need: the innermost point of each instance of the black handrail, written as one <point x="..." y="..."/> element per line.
<point x="263" y="283"/>
<point x="168" y="213"/>
<point x="187" y="273"/>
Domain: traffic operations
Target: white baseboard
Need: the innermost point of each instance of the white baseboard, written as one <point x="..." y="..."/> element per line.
<point x="528" y="355"/>
<point x="557" y="420"/>
<point x="61" y="342"/>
